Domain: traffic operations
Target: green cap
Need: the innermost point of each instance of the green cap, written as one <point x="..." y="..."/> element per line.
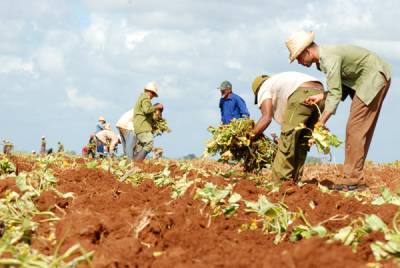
<point x="225" y="84"/>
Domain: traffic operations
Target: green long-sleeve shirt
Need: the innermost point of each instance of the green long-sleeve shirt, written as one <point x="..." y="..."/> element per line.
<point x="143" y="114"/>
<point x="353" y="67"/>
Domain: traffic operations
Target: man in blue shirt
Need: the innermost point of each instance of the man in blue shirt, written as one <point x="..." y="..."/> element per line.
<point x="230" y="104"/>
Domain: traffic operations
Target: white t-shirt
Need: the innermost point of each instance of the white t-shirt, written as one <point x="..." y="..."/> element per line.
<point x="126" y="121"/>
<point x="279" y="87"/>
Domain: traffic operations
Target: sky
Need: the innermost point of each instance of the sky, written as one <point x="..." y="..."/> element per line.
<point x="63" y="63"/>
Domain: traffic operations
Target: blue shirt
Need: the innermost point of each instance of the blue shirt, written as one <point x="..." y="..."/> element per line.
<point x="232" y="107"/>
<point x="99" y="127"/>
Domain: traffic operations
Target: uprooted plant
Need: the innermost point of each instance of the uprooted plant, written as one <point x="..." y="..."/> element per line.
<point x="275" y="216"/>
<point x="159" y="124"/>
<point x="221" y="199"/>
<point x="234" y="142"/>
<point x="321" y="137"/>
<point x="6" y="166"/>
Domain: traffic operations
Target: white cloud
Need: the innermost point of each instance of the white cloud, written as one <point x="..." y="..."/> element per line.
<point x="233" y="65"/>
<point x="108" y="5"/>
<point x="387" y="48"/>
<point x="83" y="102"/>
<point x="169" y="88"/>
<point x="50" y="60"/>
<point x="10" y="64"/>
<point x="132" y="39"/>
<point x="96" y="34"/>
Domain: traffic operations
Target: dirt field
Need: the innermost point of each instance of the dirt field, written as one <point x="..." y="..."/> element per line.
<point x="129" y="225"/>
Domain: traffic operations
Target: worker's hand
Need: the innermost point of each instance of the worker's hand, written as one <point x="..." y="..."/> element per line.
<point x="251" y="135"/>
<point x="320" y="124"/>
<point x="274" y="137"/>
<point x="159" y="106"/>
<point x="314" y="99"/>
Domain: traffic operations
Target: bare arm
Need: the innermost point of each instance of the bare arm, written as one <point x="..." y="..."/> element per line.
<point x="266" y="117"/>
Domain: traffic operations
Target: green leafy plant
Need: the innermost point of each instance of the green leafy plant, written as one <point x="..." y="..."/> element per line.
<point x="233" y="142"/>
<point x="352" y="234"/>
<point x="386" y="197"/>
<point x="221" y="199"/>
<point x="307" y="230"/>
<point x="322" y="138"/>
<point x="6" y="166"/>
<point x="163" y="178"/>
<point x="276" y="218"/>
<point x="180" y="186"/>
<point x="390" y="247"/>
<point x="160" y="126"/>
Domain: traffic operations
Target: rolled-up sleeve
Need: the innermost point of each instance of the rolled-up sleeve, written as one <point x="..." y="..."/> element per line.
<point x="332" y="69"/>
<point x="242" y="108"/>
<point x="147" y="107"/>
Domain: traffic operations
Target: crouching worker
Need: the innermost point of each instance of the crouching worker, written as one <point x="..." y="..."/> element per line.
<point x="108" y="137"/>
<point x="282" y="97"/>
<point x="143" y="116"/>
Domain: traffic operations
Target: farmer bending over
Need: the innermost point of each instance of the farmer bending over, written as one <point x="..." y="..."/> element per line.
<point x="354" y="71"/>
<point x="282" y="97"/>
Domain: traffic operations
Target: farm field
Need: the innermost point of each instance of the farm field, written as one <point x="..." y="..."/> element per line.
<point x="61" y="211"/>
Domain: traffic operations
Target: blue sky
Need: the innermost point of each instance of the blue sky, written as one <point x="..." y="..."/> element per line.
<point x="64" y="63"/>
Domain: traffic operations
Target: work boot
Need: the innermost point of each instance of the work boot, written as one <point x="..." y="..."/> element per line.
<point x="349" y="184"/>
<point x="141" y="155"/>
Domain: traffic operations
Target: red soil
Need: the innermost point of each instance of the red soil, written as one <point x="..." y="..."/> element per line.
<point x="126" y="225"/>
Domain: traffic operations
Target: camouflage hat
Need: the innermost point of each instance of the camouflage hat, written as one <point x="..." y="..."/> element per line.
<point x="224" y="85"/>
<point x="257" y="82"/>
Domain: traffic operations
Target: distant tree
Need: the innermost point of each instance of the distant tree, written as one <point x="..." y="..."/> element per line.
<point x="189" y="157"/>
<point x="314" y="160"/>
<point x="71" y="152"/>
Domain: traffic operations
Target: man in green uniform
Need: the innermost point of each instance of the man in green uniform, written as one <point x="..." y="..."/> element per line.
<point x="350" y="71"/>
<point x="143" y="113"/>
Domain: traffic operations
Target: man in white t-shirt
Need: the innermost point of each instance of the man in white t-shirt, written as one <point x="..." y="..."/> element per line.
<point x="128" y="137"/>
<point x="282" y="97"/>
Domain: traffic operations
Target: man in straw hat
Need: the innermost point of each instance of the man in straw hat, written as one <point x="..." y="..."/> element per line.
<point x="282" y="97"/>
<point x="101" y="124"/>
<point x="350" y="71"/>
<point x="143" y="113"/>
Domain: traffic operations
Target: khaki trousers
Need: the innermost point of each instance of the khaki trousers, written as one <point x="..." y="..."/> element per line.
<point x="145" y="141"/>
<point x="359" y="131"/>
<point x="293" y="143"/>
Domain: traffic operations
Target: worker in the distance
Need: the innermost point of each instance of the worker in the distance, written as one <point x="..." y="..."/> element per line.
<point x="143" y="114"/>
<point x="126" y="131"/>
<point x="108" y="139"/>
<point x="231" y="105"/>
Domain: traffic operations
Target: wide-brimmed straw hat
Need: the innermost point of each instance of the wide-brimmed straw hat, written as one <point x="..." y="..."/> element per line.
<point x="297" y="42"/>
<point x="153" y="87"/>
